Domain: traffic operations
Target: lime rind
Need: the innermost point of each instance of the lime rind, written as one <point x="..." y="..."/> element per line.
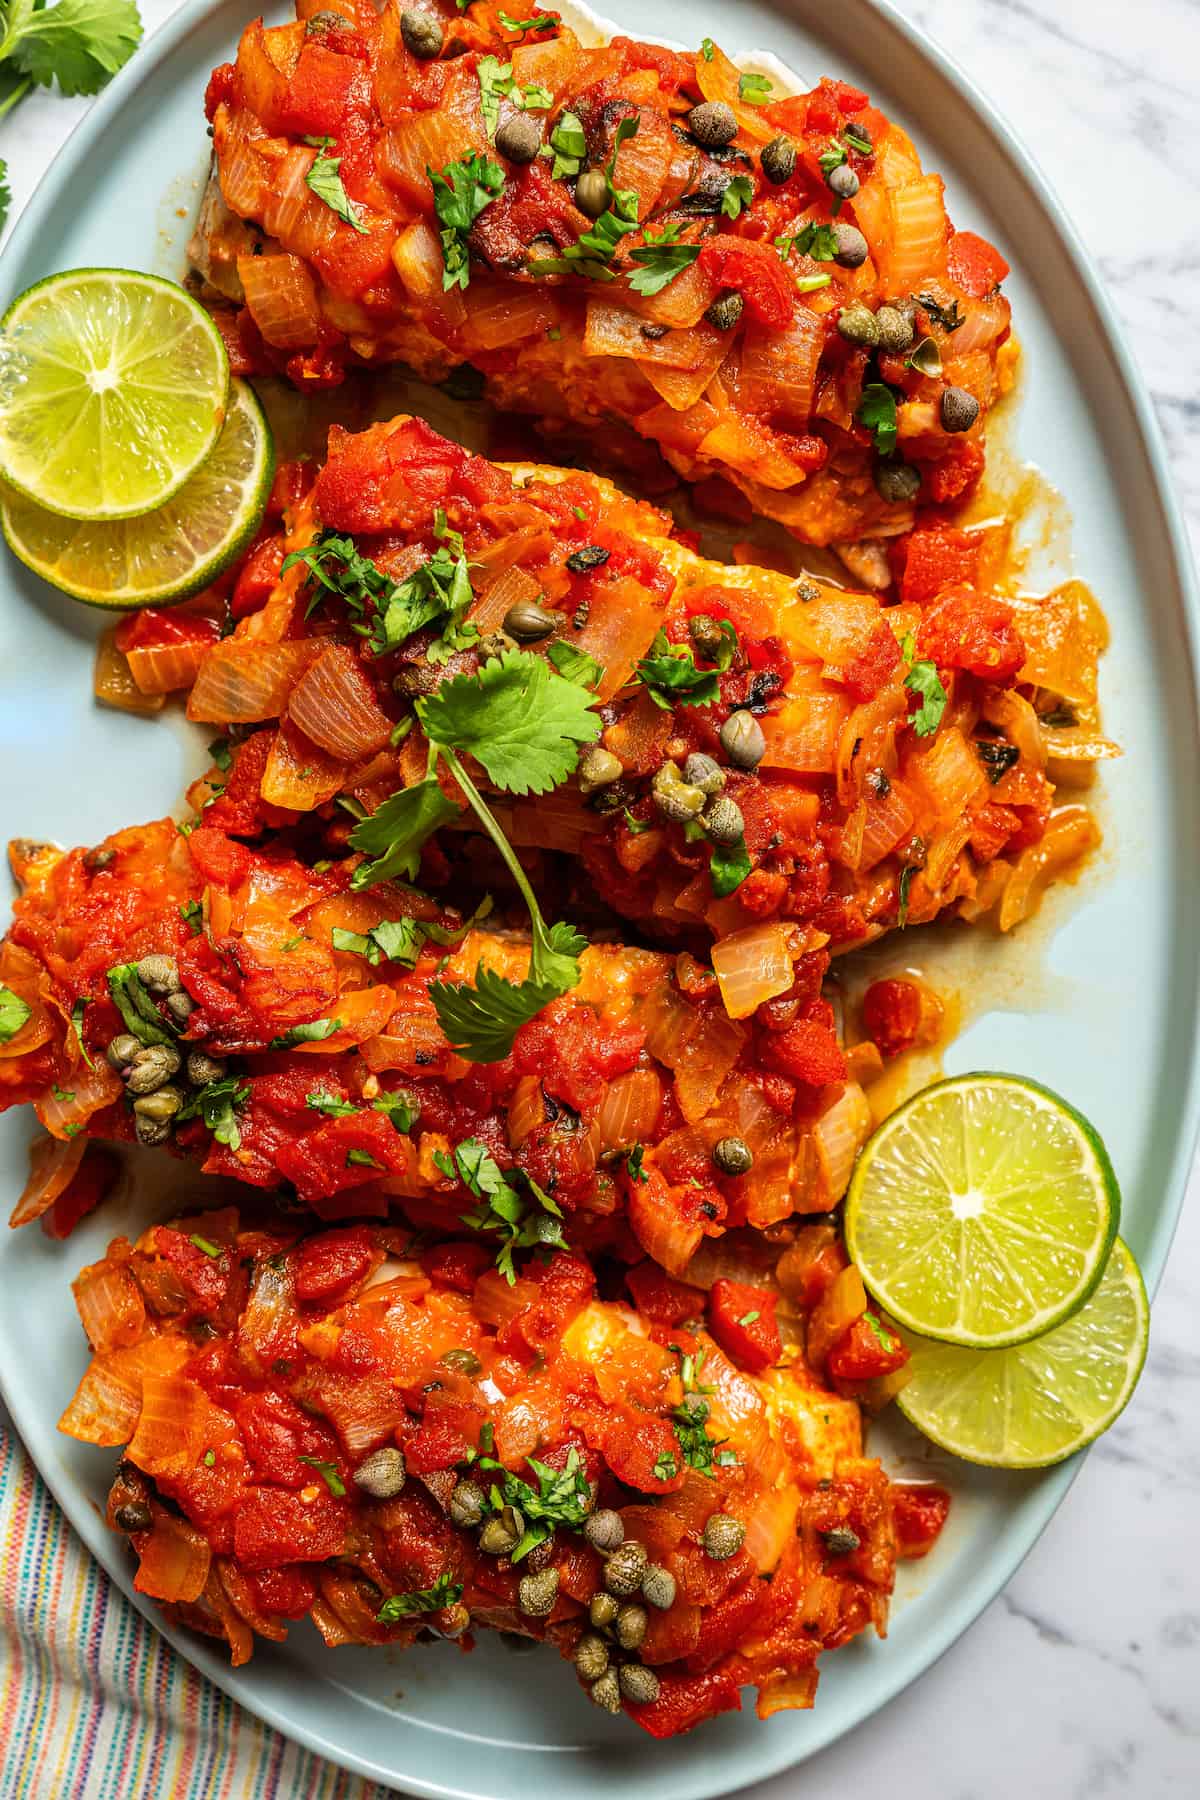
<point x="168" y="554"/>
<point x="1036" y="1403"/>
<point x="982" y="1212"/>
<point x="113" y="391"/>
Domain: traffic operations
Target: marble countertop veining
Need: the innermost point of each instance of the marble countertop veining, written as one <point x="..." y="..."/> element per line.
<point x="1082" y="1681"/>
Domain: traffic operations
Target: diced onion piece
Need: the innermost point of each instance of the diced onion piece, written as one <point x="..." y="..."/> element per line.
<point x="779" y="368"/>
<point x="417" y="258"/>
<point x="771" y="1526"/>
<point x="21" y="971"/>
<point x="164" y="668"/>
<point x="630" y="1110"/>
<point x="889" y="820"/>
<point x="658" y="1225"/>
<point x="1071" y="833"/>
<point x="622" y="620"/>
<point x="616" y="330"/>
<point x="282" y="299"/>
<point x="950" y="774"/>
<point x="227" y="1592"/>
<point x="298" y="774"/>
<point x="840" y="1134"/>
<point x="919" y="232"/>
<point x="110" y="1305"/>
<point x="506" y="590"/>
<point x="174" y="1559"/>
<point x="113" y="683"/>
<point x="752" y="966"/>
<point x="498" y="316"/>
<point x="1064" y="633"/>
<point x="683" y="302"/>
<point x="843" y="1301"/>
<point x="288" y="193"/>
<point x="172" y="1428"/>
<point x="52" y="1163"/>
<point x="334" y="704"/>
<point x="644" y="160"/>
<point x="719" y="79"/>
<point x="787" y="1693"/>
<point x="835" y="628"/>
<point x="803" y="735"/>
<point x="242" y="682"/>
<point x="526" y="1109"/>
<point x="107" y="1401"/>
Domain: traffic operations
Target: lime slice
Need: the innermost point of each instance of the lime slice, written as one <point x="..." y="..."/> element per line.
<point x="982" y="1211"/>
<point x="112" y="392"/>
<point x="169" y="553"/>
<point x="1038" y="1402"/>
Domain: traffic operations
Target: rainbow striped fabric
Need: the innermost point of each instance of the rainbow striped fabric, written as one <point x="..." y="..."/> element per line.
<point x="95" y="1705"/>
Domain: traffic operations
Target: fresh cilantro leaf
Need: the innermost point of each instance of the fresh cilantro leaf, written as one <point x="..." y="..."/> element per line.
<point x="923" y="679"/>
<point x="568" y="147"/>
<point x="665" y="1467"/>
<point x="706" y="49"/>
<point x="329" y="1105"/>
<point x="400" y="1108"/>
<point x="662" y="258"/>
<point x="314" y="1032"/>
<point x="221" y="754"/>
<point x="728" y="866"/>
<point x="361" y="1159"/>
<point x="13" y="1013"/>
<point x="440" y="586"/>
<point x="324" y="179"/>
<point x="749" y="1318"/>
<point x="879" y="1332"/>
<point x="906" y="875"/>
<point x="563" y="1497"/>
<point x="192" y="914"/>
<point x="542" y="22"/>
<point x="481" y="1022"/>
<point x="633" y="1163"/>
<point x="77" y="1011"/>
<point x="136" y="1007"/>
<point x="519" y="718"/>
<point x="523" y="1221"/>
<point x="206" y="1246"/>
<point x="333" y="563"/>
<point x="445" y="532"/>
<point x="738" y="194"/>
<point x="218" y="1104"/>
<point x="460" y="193"/>
<point x="754" y="90"/>
<point x="691" y="1419"/>
<point x="496" y="83"/>
<point x="392" y="940"/>
<point x="78" y="43"/>
<point x="817" y="240"/>
<point x="443" y="1593"/>
<point x="395" y="835"/>
<point x="575" y="665"/>
<point x="328" y="1473"/>
<point x="877" y="411"/>
<point x="833" y="158"/>
<point x="672" y="677"/>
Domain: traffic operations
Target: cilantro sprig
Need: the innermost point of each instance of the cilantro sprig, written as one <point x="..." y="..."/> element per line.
<point x="324" y="179"/>
<point x="523" y="1221"/>
<point x="461" y="191"/>
<point x="218" y="1104"/>
<point x="497" y="82"/>
<point x="444" y="1592"/>
<point x="402" y="940"/>
<point x="661" y="258"/>
<point x="670" y="673"/>
<point x="388" y="612"/>
<point x="923" y="680"/>
<point x="562" y="1497"/>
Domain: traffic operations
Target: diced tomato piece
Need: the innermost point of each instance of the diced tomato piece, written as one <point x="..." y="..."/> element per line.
<point x="724" y="1625"/>
<point x="756" y="272"/>
<point x="328" y="1266"/>
<point x="275" y="1526"/>
<point x="953" y="473"/>
<point x="344" y="1153"/>
<point x="892" y="1015"/>
<point x="660" y="1297"/>
<point x="920" y="1510"/>
<point x="807" y="1052"/>
<point x="456" y="1265"/>
<point x="276" y="1433"/>
<point x="685" y="1701"/>
<point x="218" y="858"/>
<point x="931" y="561"/>
<point x="154" y="627"/>
<point x="241" y="810"/>
<point x="850" y="99"/>
<point x="867" y="672"/>
<point x="204" y="1276"/>
<point x="642" y="1450"/>
<point x="563" y="1286"/>
<point x="964" y="629"/>
<point x="258" y="577"/>
<point x="83" y="1193"/>
<point x="868" y="1349"/>
<point x="433" y="1447"/>
<point x="992" y="827"/>
<point x="287" y="1592"/>
<point x="974" y="265"/>
<point x="742" y="1319"/>
<point x="220" y="89"/>
<point x="320" y="92"/>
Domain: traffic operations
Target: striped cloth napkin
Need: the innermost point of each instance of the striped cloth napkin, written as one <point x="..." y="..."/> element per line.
<point x="95" y="1705"/>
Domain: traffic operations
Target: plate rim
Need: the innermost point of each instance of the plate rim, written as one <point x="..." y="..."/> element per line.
<point x="972" y="1600"/>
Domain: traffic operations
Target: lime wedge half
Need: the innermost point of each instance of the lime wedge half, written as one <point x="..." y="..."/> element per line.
<point x="982" y="1212"/>
<point x="1039" y="1402"/>
<point x="112" y="392"/>
<point x="169" y="553"/>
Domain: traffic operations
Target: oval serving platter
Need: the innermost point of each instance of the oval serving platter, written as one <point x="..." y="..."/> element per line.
<point x="1110" y="1021"/>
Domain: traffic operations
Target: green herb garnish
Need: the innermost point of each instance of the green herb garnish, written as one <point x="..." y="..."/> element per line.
<point x="325" y="181"/>
<point x="314" y="1032"/>
<point x="443" y="1593"/>
<point x="328" y="1473"/>
<point x="218" y="1104"/>
<point x="460" y="193"/>
<point x="523" y="1221"/>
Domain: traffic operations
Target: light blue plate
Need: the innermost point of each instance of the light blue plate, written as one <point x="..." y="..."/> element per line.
<point x="1109" y="1020"/>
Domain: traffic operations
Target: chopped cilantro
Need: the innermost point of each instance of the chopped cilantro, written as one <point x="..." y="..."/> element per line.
<point x="192" y="914"/>
<point x="314" y="1032"/>
<point x="325" y="181"/>
<point x="206" y="1245"/>
<point x="906" y="875"/>
<point x="567" y="147"/>
<point x="633" y="1163"/>
<point x="361" y="1159"/>
<point x="923" y="679"/>
<point x="575" y="665"/>
<point x="541" y="22"/>
<point x="832" y="159"/>
<point x="754" y="90"/>
<point x="562" y="1497"/>
<point x="706" y="48"/>
<point x="77" y="1011"/>
<point x="460" y="193"/>
<point x="443" y="1593"/>
<point x="496" y="83"/>
<point x="218" y="1104"/>
<point x="728" y="865"/>
<point x="503" y="1208"/>
<point x="670" y="673"/>
<point x="749" y="1318"/>
<point x="877" y="411"/>
<point x="328" y="1473"/>
<point x="816" y="240"/>
<point x="400" y="1108"/>
<point x="220" y="752"/>
<point x="665" y="1467"/>
<point x="662" y="258"/>
<point x="394" y="835"/>
<point x="329" y="1104"/>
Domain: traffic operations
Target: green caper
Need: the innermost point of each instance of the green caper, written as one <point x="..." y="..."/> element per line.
<point x="723" y="1536"/>
<point x="151" y="1067"/>
<point x="723" y="820"/>
<point x="591" y="193"/>
<point x="842" y="182"/>
<point x="673" y="796"/>
<point x="602" y="1610"/>
<point x="658" y="1587"/>
<point x="464" y="1362"/>
<point x="528" y="622"/>
<point x="897" y="482"/>
<point x="852" y="247"/>
<point x="598" y="768"/>
<point x="625" y="1568"/>
<point x="181" y="1006"/>
<point x="604" y="1530"/>
<point x="159" y="973"/>
<point x="519" y="138"/>
<point x="706" y="635"/>
<point x="630" y="1626"/>
<point x="700" y="771"/>
<point x="726" y="310"/>
<point x="894" y="328"/>
<point x="494" y="644"/>
<point x="382" y="1474"/>
<point x="856" y="323"/>
<point x="713" y="124"/>
<point x="607" y="1691"/>
<point x="467" y="1501"/>
<point x="638" y="1684"/>
<point x="152" y="1131"/>
<point x="421" y="32"/>
<point x="536" y="1594"/>
<point x="591" y="1656"/>
<point x="122" y="1050"/>
<point x="742" y="740"/>
<point x="779" y="160"/>
<point x="161" y="1105"/>
<point x="502" y="1533"/>
<point x="959" y="409"/>
<point x="733" y="1156"/>
<point x="135" y="1515"/>
<point x="840" y="1541"/>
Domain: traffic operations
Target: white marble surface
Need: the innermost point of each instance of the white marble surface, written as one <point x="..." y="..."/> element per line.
<point x="1083" y="1680"/>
